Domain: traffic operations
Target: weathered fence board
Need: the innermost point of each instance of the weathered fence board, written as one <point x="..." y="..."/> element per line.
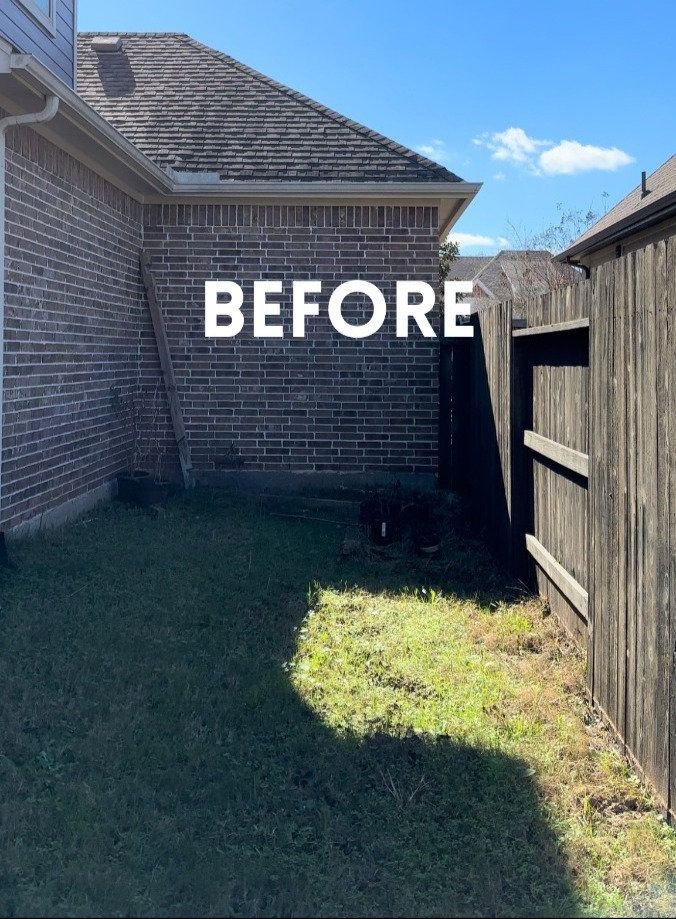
<point x="570" y="459"/>
<point x="633" y="360"/>
<point x="167" y="367"/>
<point x="572" y="441"/>
<point x="572" y="325"/>
<point x="550" y="359"/>
<point x="670" y="381"/>
<point x="490" y="428"/>
<point x="564" y="581"/>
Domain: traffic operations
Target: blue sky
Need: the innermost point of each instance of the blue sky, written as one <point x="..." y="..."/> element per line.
<point x="546" y="104"/>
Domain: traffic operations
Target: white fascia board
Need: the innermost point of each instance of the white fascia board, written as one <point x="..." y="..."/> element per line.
<point x="448" y="221"/>
<point x="401" y="190"/>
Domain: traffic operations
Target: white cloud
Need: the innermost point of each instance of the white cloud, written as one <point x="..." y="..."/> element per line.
<point x="434" y="150"/>
<point x="513" y="145"/>
<point x="545" y="157"/>
<point x="477" y="241"/>
<point x="570" y="156"/>
<point x="499" y="177"/>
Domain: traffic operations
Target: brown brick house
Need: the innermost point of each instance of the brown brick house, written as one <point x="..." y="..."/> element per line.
<point x="218" y="172"/>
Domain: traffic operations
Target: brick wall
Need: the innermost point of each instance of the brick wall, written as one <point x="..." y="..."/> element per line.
<point x="322" y="403"/>
<point x="72" y="322"/>
<point x="78" y="331"/>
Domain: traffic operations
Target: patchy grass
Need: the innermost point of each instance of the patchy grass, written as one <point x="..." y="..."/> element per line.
<point x="183" y="733"/>
<point x="493" y="678"/>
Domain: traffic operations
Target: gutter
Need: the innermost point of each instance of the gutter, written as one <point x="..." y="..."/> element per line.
<point x="209" y="183"/>
<point x="45" y="114"/>
<point x="574" y="263"/>
<point x="38" y="79"/>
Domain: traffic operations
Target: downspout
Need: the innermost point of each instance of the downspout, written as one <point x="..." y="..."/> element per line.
<point x="575" y="264"/>
<point x="46" y="114"/>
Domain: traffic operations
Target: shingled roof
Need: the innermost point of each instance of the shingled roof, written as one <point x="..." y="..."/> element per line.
<point x="194" y="109"/>
<point x="512" y="274"/>
<point x="656" y="204"/>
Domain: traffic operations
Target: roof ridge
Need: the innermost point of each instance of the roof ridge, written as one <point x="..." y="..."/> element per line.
<point x="387" y="142"/>
<point x="662" y="165"/>
<point x="487" y="265"/>
<point x="524" y="252"/>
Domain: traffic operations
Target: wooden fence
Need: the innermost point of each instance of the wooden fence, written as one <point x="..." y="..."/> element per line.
<point x="569" y="436"/>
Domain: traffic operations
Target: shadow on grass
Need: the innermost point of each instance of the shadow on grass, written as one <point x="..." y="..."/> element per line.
<point x="157" y="761"/>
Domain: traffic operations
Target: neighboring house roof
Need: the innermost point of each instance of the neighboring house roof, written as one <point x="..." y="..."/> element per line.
<point x="631" y="213"/>
<point x="467" y="267"/>
<point x="512" y="274"/>
<point x="194" y="109"/>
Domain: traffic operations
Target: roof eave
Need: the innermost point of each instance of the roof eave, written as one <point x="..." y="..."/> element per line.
<point x="451" y="198"/>
<point x="449" y="216"/>
<point x="662" y="209"/>
<point x="81" y="131"/>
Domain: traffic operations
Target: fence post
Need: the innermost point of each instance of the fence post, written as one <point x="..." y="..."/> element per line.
<point x="522" y="490"/>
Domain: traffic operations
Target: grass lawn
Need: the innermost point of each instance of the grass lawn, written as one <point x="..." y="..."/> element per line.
<point x="217" y="711"/>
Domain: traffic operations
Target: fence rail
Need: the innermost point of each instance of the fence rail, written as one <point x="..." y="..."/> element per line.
<point x="570" y="434"/>
<point x="564" y="456"/>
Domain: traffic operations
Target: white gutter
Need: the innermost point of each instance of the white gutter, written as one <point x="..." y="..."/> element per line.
<point x="266" y="189"/>
<point x="210" y="183"/>
<point x="39" y="79"/>
<point x="46" y="114"/>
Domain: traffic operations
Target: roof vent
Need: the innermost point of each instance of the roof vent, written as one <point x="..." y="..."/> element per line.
<point x="644" y="185"/>
<point x="184" y="177"/>
<point x="106" y="43"/>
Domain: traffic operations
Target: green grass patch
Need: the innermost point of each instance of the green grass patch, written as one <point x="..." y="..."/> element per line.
<point x="215" y="711"/>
